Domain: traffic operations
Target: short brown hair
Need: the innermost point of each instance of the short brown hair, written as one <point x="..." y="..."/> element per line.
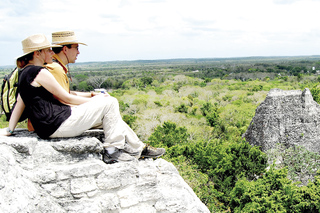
<point x="57" y="50"/>
<point x="24" y="60"/>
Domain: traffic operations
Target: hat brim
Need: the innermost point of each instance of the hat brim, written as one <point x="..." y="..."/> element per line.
<point x="47" y="46"/>
<point x="69" y="42"/>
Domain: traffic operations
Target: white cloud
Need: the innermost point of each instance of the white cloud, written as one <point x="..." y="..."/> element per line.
<point x="151" y="29"/>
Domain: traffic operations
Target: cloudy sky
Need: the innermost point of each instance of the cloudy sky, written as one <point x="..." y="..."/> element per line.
<point x="165" y="29"/>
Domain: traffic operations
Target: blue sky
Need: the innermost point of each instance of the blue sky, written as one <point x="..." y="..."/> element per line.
<point x="165" y="29"/>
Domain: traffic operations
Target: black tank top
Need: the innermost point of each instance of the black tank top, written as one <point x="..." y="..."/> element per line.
<point x="44" y="111"/>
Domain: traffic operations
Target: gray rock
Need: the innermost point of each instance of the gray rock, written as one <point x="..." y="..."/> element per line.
<point x="67" y="175"/>
<point x="291" y="118"/>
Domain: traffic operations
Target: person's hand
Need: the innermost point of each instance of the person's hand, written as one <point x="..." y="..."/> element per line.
<point x="4" y="132"/>
<point x="103" y="94"/>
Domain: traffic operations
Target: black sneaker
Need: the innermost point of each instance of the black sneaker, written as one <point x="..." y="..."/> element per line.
<point x="117" y="156"/>
<point x="152" y="152"/>
<point x="108" y="160"/>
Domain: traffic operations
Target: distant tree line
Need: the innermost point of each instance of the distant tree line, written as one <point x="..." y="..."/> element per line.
<point x="139" y="75"/>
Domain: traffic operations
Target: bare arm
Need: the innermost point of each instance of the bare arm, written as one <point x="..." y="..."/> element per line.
<point x="46" y="79"/>
<point x="88" y="94"/>
<point x="15" y="116"/>
<point x="82" y="94"/>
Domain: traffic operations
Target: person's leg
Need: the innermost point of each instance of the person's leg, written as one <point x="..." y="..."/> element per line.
<point x="118" y="132"/>
<point x="82" y="118"/>
<point x="104" y="112"/>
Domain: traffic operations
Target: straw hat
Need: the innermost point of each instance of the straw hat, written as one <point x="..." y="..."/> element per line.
<point x="64" y="38"/>
<point x="34" y="43"/>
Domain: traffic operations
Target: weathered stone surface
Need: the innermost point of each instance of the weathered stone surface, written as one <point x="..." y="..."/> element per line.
<point x="286" y="117"/>
<point x="67" y="175"/>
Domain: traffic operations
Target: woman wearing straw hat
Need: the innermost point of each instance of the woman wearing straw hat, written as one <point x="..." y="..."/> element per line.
<point x="39" y="93"/>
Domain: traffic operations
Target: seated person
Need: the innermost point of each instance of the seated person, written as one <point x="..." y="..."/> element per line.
<point x="55" y="113"/>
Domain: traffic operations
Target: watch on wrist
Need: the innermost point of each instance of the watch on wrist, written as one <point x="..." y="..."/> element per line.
<point x="9" y="130"/>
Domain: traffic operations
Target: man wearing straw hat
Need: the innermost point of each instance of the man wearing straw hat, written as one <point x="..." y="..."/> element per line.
<point x="68" y="54"/>
<point x="63" y="56"/>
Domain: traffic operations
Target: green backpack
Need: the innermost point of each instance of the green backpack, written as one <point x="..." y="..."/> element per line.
<point x="9" y="93"/>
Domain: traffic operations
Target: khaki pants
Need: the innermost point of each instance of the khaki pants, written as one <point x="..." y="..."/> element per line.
<point x="100" y="112"/>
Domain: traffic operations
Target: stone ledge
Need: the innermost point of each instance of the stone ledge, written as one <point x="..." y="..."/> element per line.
<point x="68" y="175"/>
<point x="24" y="142"/>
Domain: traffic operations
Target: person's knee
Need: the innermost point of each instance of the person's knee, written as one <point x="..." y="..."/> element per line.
<point x="109" y="102"/>
<point x="114" y="100"/>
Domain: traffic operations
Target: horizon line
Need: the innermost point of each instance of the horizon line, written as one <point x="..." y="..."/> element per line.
<point x="172" y="59"/>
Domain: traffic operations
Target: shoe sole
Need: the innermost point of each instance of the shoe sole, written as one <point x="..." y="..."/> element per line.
<point x="148" y="156"/>
<point x="154" y="158"/>
<point x="110" y="161"/>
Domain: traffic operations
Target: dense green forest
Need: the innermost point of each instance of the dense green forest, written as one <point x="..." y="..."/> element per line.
<point x="198" y="110"/>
